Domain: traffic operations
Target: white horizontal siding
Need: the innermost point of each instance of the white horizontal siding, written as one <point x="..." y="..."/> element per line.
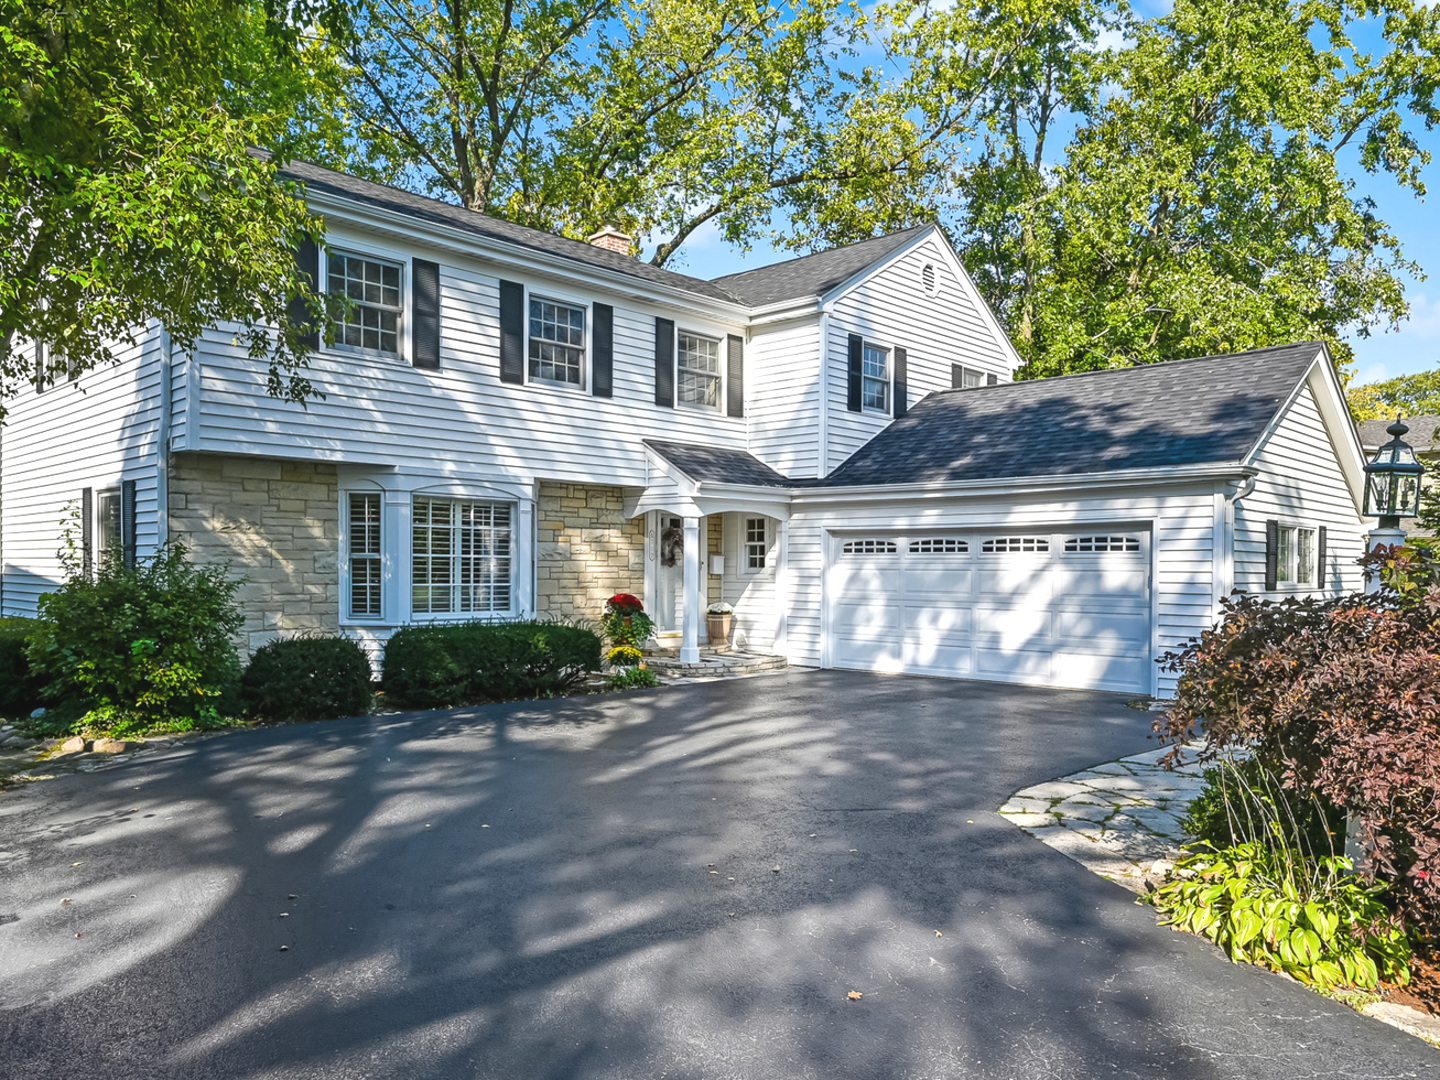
<point x="461" y="420"/>
<point x="94" y="432"/>
<point x="1300" y="483"/>
<point x="1183" y="578"/>
<point x="891" y="309"/>
<point x="783" y="396"/>
<point x="752" y="595"/>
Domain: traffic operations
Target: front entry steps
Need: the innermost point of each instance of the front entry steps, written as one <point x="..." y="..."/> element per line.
<point x="714" y="663"/>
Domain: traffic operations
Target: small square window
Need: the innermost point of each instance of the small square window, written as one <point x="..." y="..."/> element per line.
<point x="372" y="286"/>
<point x="875" y="378"/>
<point x="557" y="342"/>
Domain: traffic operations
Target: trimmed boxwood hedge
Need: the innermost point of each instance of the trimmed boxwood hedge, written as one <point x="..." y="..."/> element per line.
<point x="19" y="685"/>
<point x="470" y="663"/>
<point x="307" y="678"/>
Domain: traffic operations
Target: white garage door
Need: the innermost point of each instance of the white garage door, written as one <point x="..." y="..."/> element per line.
<point x="1050" y="608"/>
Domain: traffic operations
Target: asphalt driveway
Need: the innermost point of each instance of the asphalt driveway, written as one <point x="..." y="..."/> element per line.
<point x="588" y="888"/>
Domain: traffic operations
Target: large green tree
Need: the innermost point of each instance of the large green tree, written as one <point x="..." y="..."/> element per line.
<point x="129" y="191"/>
<point x="1407" y="395"/>
<point x="1203" y="204"/>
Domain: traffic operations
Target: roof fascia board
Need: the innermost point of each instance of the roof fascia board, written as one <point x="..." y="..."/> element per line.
<point x="1125" y="478"/>
<point x="523" y="259"/>
<point x="687" y="485"/>
<point x="827" y="300"/>
<point x="1329" y="396"/>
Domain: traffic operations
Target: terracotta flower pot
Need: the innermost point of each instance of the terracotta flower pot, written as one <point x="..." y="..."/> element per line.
<point x="717" y="628"/>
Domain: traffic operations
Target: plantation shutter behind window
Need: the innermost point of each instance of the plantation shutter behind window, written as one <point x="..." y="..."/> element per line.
<point x="512" y="332"/>
<point x="127" y="522"/>
<point x="1272" y="554"/>
<point x="901" y="398"/>
<point x="307" y="265"/>
<point x="426" y="278"/>
<point x="602" y="364"/>
<point x="735" y="377"/>
<point x="857" y="360"/>
<point x="87" y="532"/>
<point x="1322" y="570"/>
<point x="665" y="362"/>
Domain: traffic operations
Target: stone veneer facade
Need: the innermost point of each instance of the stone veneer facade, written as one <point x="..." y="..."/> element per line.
<point x="586" y="550"/>
<point x="278" y="525"/>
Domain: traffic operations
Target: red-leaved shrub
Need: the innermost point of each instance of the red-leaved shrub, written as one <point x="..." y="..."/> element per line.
<point x="1342" y="698"/>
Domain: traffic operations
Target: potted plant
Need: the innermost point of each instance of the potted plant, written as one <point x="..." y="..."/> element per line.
<point x="625" y="622"/>
<point x="718" y="618"/>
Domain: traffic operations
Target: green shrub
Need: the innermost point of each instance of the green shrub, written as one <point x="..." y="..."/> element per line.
<point x="469" y="663"/>
<point x="19" y="686"/>
<point x="144" y="648"/>
<point x="307" y="678"/>
<point x="1244" y="801"/>
<point x="632" y="678"/>
<point x="1312" y="920"/>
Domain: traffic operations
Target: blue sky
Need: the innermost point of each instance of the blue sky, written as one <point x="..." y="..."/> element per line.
<point x="1412" y="347"/>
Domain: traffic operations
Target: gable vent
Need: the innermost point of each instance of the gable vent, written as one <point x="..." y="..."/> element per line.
<point x="930" y="279"/>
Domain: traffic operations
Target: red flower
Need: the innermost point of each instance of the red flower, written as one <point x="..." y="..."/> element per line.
<point x="623" y="600"/>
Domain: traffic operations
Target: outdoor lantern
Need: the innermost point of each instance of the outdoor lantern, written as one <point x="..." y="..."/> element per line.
<point x="1392" y="480"/>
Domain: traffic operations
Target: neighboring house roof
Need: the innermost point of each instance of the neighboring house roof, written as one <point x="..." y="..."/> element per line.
<point x="813" y="275"/>
<point x="1207" y="410"/>
<point x="715" y="465"/>
<point x="327" y="181"/>
<point x="1421" y="436"/>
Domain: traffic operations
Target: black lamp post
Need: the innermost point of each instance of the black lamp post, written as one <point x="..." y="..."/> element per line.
<point x="1392" y="481"/>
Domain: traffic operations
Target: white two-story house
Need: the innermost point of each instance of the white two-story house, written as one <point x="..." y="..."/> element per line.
<point x="515" y="424"/>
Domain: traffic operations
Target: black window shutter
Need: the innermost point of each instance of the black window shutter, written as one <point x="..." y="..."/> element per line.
<point x="1322" y="571"/>
<point x="602" y="364"/>
<point x="426" y="278"/>
<point x="992" y="380"/>
<point x="307" y="265"/>
<point x="39" y="367"/>
<point x="665" y="362"/>
<point x="87" y="532"/>
<point x="900" y="400"/>
<point x="1272" y="554"/>
<point x="127" y="522"/>
<point x="512" y="332"/>
<point x="957" y="377"/>
<point x="735" y="377"/>
<point x="857" y="360"/>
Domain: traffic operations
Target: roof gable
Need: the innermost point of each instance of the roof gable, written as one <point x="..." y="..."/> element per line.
<point x="814" y="275"/>
<point x="1208" y="410"/>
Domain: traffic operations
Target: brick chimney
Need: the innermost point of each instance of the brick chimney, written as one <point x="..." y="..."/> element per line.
<point x="612" y="239"/>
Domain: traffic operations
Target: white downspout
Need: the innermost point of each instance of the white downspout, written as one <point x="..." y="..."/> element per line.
<point x="162" y="439"/>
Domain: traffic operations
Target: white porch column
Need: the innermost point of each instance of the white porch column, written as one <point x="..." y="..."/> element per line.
<point x="692" y="554"/>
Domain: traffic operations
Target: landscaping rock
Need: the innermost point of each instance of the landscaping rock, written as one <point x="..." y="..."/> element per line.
<point x="111" y="746"/>
<point x="1417" y="1023"/>
<point x="16" y="742"/>
<point x="75" y="745"/>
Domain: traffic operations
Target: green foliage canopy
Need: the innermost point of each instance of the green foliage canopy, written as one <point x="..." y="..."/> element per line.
<point x="1407" y="395"/>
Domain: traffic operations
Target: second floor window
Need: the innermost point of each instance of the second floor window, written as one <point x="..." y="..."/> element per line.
<point x="699" y="362"/>
<point x="373" y="288"/>
<point x="557" y="342"/>
<point x="875" y="378"/>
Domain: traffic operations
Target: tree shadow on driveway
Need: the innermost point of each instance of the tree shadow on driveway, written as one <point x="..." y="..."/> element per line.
<point x="588" y="888"/>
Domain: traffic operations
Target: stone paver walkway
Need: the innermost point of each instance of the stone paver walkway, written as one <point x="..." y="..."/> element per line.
<point x="1120" y="820"/>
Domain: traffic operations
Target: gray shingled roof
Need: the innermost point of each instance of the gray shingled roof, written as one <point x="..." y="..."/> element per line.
<point x="329" y="182"/>
<point x="812" y="275"/>
<point x="717" y="465"/>
<point x="1421" y="436"/>
<point x="1185" y="412"/>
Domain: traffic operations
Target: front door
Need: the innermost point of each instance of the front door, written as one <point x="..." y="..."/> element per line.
<point x="669" y="540"/>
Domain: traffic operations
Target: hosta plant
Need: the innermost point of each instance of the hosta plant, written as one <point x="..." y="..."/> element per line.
<point x="1321" y="925"/>
<point x="632" y="678"/>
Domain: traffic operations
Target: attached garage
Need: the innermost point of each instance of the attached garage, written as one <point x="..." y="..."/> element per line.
<point x="1057" y="608"/>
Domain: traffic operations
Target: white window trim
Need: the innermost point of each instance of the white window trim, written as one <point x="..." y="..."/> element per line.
<point x="586" y="368"/>
<point x="1293" y="586"/>
<point x="966" y="369"/>
<point x="746" y="544"/>
<point x="407" y="301"/>
<point x="889" y="380"/>
<point x="722" y="363"/>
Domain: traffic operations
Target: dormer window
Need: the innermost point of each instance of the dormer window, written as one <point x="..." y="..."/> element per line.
<point x="875" y="378"/>
<point x="373" y="288"/>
